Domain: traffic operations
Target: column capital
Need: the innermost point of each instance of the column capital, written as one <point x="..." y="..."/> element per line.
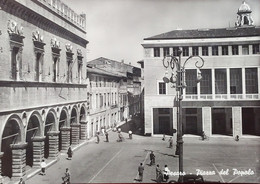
<point x="64" y="129"/>
<point x="53" y="133"/>
<point x="19" y="146"/>
<point x="75" y="125"/>
<point x="83" y="122"/>
<point x="38" y="138"/>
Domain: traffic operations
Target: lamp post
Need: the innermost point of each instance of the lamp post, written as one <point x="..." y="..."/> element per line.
<point x="175" y="64"/>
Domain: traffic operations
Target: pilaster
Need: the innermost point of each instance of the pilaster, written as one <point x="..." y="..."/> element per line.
<point x="213" y="82"/>
<point x="19" y="160"/>
<point x="1" y="155"/>
<point x="237" y="121"/>
<point x="53" y="144"/>
<point x="65" y="138"/>
<point x="38" y="150"/>
<point x="75" y="128"/>
<point x="206" y="120"/>
<point x="83" y="130"/>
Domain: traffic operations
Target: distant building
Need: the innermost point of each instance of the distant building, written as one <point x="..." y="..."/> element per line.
<point x="43" y="89"/>
<point x="227" y="100"/>
<point x="128" y="90"/>
<point x="104" y="97"/>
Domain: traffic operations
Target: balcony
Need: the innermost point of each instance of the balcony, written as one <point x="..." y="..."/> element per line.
<point x="210" y="97"/>
<point x="63" y="10"/>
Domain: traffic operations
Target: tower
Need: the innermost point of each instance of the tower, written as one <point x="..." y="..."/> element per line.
<point x="244" y="18"/>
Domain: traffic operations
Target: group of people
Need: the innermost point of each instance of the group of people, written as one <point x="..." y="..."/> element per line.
<point x="120" y="135"/>
<point x="161" y="175"/>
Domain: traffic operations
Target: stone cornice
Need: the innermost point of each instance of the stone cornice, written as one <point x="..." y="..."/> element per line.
<point x="15" y="8"/>
<point x="38" y="139"/>
<point x="19" y="146"/>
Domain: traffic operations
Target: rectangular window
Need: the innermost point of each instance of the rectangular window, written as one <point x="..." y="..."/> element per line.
<point x="101" y="101"/>
<point x="205" y="51"/>
<point x="185" y="51"/>
<point x="206" y="82"/>
<point x="245" y="49"/>
<point x="234" y="49"/>
<point x="195" y="51"/>
<point x="175" y="51"/>
<point x="214" y="50"/>
<point x="235" y="81"/>
<point x="256" y="49"/>
<point x="190" y="77"/>
<point x="166" y="51"/>
<point x="224" y="50"/>
<point x="90" y="101"/>
<point x="251" y="80"/>
<point x="220" y="81"/>
<point x="162" y="88"/>
<point x="156" y="52"/>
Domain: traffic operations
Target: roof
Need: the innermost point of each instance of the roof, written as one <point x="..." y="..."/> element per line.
<point x="208" y="33"/>
<point x="104" y="72"/>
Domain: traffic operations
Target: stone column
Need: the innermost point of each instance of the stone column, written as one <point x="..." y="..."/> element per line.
<point x="75" y="133"/>
<point x="1" y="155"/>
<point x="38" y="150"/>
<point x="53" y="144"/>
<point x="206" y="120"/>
<point x="65" y="138"/>
<point x="237" y="121"/>
<point x="19" y="160"/>
<point x="83" y="130"/>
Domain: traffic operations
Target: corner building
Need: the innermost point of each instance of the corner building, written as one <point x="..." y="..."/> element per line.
<point x="43" y="89"/>
<point x="226" y="102"/>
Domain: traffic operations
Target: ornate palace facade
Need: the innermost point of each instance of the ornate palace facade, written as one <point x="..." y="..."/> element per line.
<point x="43" y="83"/>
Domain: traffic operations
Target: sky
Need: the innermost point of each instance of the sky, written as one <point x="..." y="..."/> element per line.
<point x="116" y="28"/>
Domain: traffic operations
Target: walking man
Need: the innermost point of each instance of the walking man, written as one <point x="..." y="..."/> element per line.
<point x="106" y="133"/>
<point x="170" y="142"/>
<point x="66" y="178"/>
<point x="69" y="153"/>
<point x="159" y="177"/>
<point x="166" y="172"/>
<point x="43" y="167"/>
<point x="97" y="137"/>
<point x="21" y="181"/>
<point x="152" y="158"/>
<point x="141" y="171"/>
<point x="130" y="134"/>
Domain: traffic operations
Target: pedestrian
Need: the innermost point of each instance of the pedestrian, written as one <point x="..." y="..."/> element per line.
<point x="141" y="171"/>
<point x="130" y="134"/>
<point x="106" y="133"/>
<point x="166" y="172"/>
<point x="69" y="153"/>
<point x="163" y="137"/>
<point x="103" y="130"/>
<point x="152" y="158"/>
<point x="43" y="167"/>
<point x="21" y="181"/>
<point x="66" y="178"/>
<point x="170" y="142"/>
<point x="97" y="135"/>
<point x="159" y="176"/>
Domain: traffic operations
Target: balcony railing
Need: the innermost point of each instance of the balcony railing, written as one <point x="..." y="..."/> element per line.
<point x="222" y="97"/>
<point x="66" y="12"/>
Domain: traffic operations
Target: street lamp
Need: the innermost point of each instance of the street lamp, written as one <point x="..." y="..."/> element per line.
<point x="178" y="81"/>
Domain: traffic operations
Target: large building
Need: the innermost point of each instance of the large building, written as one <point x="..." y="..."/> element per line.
<point x="43" y="88"/>
<point x="119" y="84"/>
<point x="227" y="100"/>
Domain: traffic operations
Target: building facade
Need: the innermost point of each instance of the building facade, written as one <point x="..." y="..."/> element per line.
<point x="104" y="98"/>
<point x="43" y="89"/>
<point x="127" y="89"/>
<point x="226" y="102"/>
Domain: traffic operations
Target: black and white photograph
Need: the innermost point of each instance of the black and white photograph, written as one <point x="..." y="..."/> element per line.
<point x="129" y="91"/>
